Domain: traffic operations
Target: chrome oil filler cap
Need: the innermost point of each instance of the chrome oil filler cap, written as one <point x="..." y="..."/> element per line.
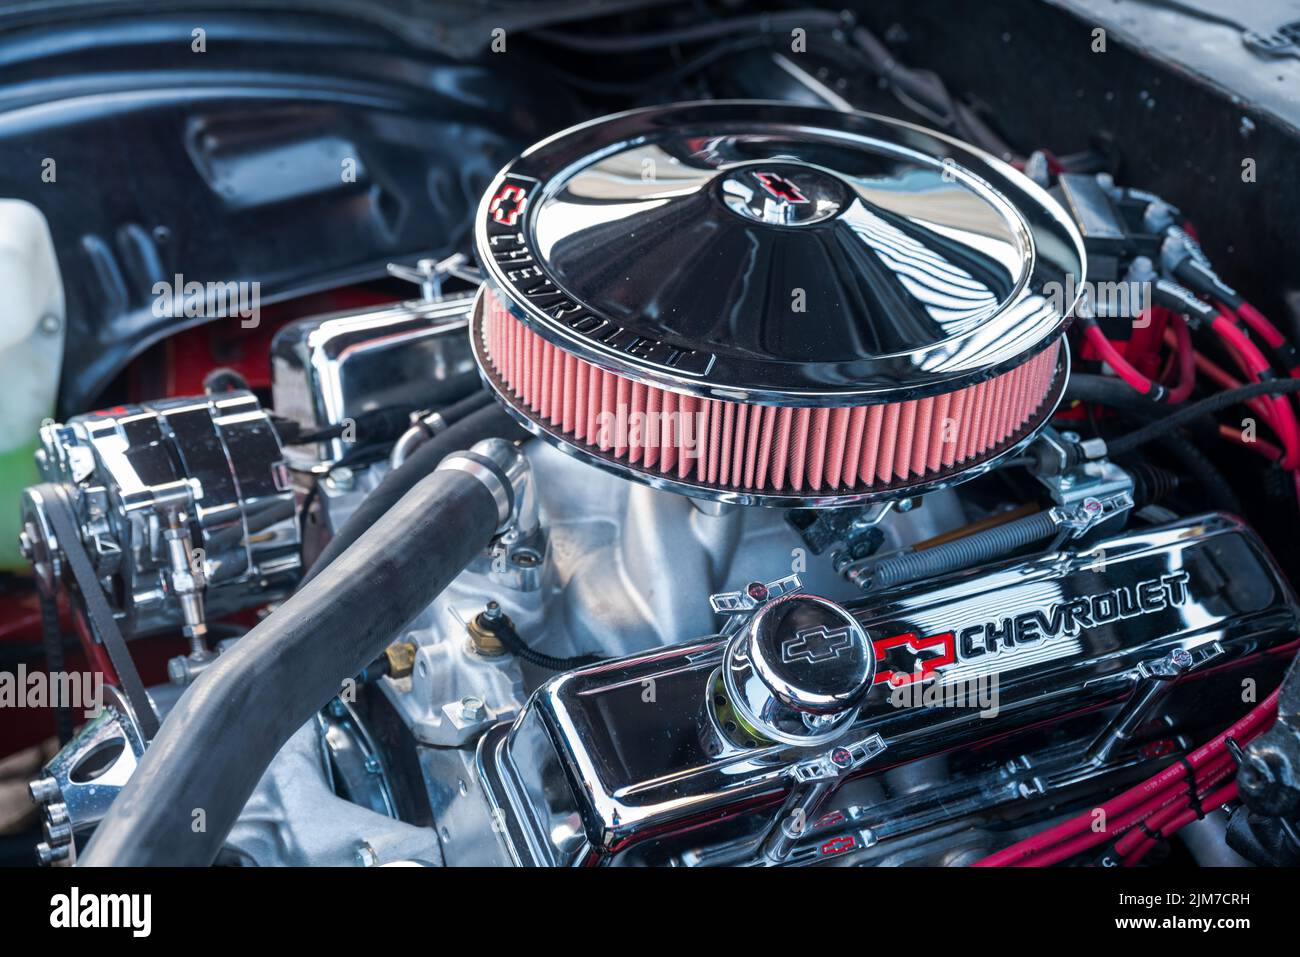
<point x="797" y="672"/>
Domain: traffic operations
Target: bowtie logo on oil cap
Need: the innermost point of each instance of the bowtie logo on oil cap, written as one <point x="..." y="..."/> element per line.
<point x="811" y="653"/>
<point x="816" y="644"/>
<point x="798" y="671"/>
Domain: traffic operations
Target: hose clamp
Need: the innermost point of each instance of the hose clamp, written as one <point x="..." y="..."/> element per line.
<point x="490" y="475"/>
<point x="501" y="467"/>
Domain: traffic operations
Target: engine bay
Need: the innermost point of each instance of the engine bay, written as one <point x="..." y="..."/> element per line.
<point x="699" y="435"/>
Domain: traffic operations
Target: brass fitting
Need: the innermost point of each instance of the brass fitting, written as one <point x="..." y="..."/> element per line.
<point x="482" y="633"/>
<point x="401" y="658"/>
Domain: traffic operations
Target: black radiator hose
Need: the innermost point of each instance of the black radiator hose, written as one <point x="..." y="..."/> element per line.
<point x="224" y="731"/>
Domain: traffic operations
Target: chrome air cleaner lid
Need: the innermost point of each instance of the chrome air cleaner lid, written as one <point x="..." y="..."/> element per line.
<point x="823" y="291"/>
<point x="778" y="253"/>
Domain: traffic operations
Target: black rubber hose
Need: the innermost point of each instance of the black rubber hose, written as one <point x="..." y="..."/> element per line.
<point x="1213" y="482"/>
<point x="1152" y="484"/>
<point x="1111" y="392"/>
<point x="377" y="424"/>
<point x="488" y="422"/>
<point x="965" y="552"/>
<point x="449" y="415"/>
<point x="1108" y="391"/>
<point x="1194" y="410"/>
<point x="228" y="726"/>
<point x="458" y="410"/>
<point x="464" y="407"/>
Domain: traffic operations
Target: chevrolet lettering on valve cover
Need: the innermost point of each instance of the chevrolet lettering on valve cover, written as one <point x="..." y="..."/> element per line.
<point x="1068" y="618"/>
<point x="931" y="654"/>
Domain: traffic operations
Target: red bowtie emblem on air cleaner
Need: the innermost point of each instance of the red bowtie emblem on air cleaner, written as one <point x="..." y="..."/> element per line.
<point x="780" y="187"/>
<point x="508" y="204"/>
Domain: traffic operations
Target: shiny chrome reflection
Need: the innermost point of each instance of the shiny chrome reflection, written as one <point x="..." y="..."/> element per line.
<point x="794" y="252"/>
<point x="1067" y="636"/>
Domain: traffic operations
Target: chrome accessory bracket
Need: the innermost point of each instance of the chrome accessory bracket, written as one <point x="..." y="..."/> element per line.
<point x="737" y="604"/>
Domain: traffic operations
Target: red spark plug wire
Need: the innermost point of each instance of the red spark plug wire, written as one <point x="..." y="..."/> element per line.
<point x="1254" y="364"/>
<point x="1077" y="831"/>
<point x="1225" y="380"/>
<point x="1123" y="368"/>
<point x="1167" y="829"/>
<point x="1185" y="357"/>
<point x="1261" y="326"/>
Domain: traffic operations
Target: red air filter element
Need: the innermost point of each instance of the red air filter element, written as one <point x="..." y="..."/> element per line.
<point x="742" y="447"/>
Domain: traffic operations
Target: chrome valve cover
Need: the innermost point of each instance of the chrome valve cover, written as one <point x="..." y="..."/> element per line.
<point x="328" y="370"/>
<point x="623" y="762"/>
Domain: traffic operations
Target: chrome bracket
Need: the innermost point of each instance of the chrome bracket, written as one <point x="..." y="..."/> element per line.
<point x="838" y="761"/>
<point x="1075" y="521"/>
<point x="429" y="274"/>
<point x="736" y="605"/>
<point x="1154" y="680"/>
<point x="815" y="779"/>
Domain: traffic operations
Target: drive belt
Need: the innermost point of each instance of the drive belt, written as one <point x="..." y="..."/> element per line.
<point x="62" y="517"/>
<point x="52" y="635"/>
